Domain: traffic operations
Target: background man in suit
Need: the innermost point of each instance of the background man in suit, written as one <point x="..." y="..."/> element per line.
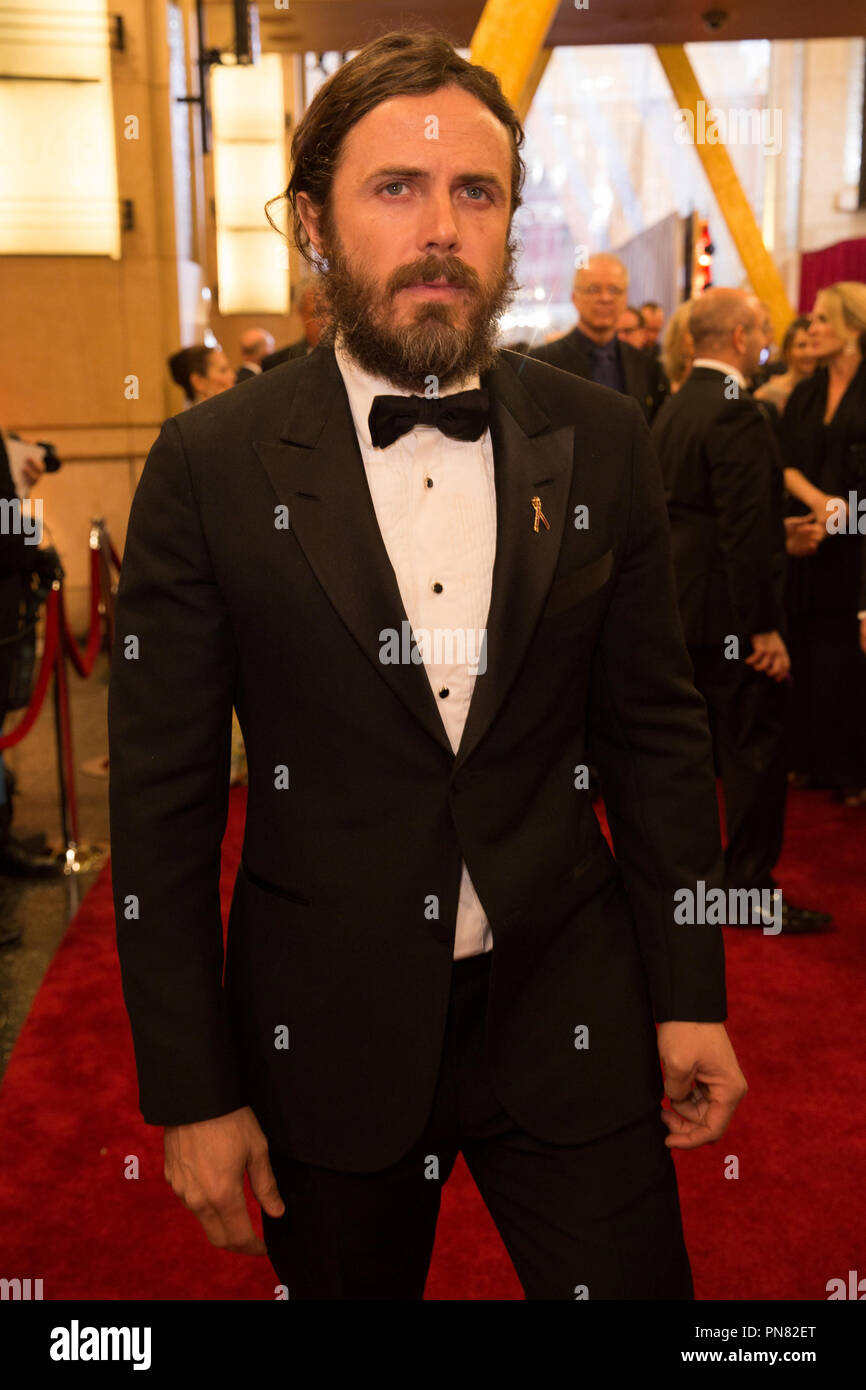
<point x="724" y="488"/>
<point x="653" y="322"/>
<point x="630" y="328"/>
<point x="304" y="297"/>
<point x="592" y="348"/>
<point x="256" y="344"/>
<point x="430" y="948"/>
<point x="20" y="559"/>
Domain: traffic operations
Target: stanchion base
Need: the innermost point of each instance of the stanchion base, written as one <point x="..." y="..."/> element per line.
<point x="80" y="859"/>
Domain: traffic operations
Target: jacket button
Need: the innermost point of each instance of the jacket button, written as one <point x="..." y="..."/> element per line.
<point x="444" y="692"/>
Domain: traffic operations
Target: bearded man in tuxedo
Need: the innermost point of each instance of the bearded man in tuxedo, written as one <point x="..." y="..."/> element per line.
<point x="434" y="579"/>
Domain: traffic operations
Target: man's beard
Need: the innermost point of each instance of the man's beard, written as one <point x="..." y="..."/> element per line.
<point x="434" y="342"/>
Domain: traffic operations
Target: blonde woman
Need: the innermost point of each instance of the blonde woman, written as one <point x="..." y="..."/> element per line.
<point x="678" y="350"/>
<point x="823" y="434"/>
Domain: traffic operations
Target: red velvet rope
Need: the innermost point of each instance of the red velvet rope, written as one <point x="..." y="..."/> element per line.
<point x="27" y="720"/>
<point x="83" y="662"/>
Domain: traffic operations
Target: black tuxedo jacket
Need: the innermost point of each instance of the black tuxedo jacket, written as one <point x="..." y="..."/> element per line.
<point x="645" y="378"/>
<point x="342" y="923"/>
<point x="724" y="487"/>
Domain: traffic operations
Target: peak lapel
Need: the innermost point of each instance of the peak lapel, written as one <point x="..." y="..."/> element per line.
<point x="530" y="460"/>
<point x="317" y="471"/>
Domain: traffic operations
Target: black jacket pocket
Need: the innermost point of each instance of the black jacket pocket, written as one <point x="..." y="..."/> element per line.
<point x="580" y="584"/>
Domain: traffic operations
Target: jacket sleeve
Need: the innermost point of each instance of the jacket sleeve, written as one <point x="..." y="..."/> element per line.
<point x="649" y="738"/>
<point x="170" y="702"/>
<point x="741" y="456"/>
<point x="661" y="388"/>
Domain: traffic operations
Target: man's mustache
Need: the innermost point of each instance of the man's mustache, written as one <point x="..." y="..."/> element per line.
<point x="425" y="272"/>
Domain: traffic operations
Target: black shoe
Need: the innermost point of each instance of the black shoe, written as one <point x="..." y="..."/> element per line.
<point x="785" y="919"/>
<point x="17" y="862"/>
<point x="34" y="844"/>
<point x="821" y="919"/>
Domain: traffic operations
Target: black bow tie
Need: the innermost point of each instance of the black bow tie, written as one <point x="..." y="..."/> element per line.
<point x="462" y="415"/>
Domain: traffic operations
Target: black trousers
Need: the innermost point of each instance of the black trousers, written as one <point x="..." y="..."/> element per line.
<point x="747" y="714"/>
<point x="597" y="1221"/>
<point x="826" y="728"/>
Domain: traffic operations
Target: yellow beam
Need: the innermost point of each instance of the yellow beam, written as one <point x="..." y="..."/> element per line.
<point x="735" y="207"/>
<point x="508" y="40"/>
<point x="527" y="95"/>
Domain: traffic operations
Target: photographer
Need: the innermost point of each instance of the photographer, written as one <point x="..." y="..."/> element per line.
<point x="21" y="466"/>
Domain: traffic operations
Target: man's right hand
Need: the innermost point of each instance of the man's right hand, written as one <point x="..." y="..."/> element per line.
<point x="770" y="655"/>
<point x="803" y="534"/>
<point x="205" y="1163"/>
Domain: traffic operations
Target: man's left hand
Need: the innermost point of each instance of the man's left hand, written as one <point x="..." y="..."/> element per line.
<point x="702" y="1080"/>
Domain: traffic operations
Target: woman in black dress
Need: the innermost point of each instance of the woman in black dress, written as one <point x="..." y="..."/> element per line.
<point x="823" y="433"/>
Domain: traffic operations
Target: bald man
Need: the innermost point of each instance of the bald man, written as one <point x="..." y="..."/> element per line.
<point x="256" y="343"/>
<point x="724" y="489"/>
<point x="592" y="349"/>
<point x="305" y="301"/>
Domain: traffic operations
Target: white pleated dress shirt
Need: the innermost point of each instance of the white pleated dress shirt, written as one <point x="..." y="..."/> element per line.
<point x="435" y="502"/>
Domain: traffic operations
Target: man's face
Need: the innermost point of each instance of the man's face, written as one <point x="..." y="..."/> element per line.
<point x="652" y="325"/>
<point x="416" y="238"/>
<point x="630" y="328"/>
<point x="765" y="325"/>
<point x="599" y="295"/>
<point x="753" y="339"/>
<point x="761" y="331"/>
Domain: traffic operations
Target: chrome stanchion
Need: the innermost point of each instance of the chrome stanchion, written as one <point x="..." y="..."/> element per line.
<point x="99" y="541"/>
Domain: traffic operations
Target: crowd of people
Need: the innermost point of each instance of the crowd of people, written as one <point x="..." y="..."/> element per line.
<point x="764" y="459"/>
<point x="764" y="465"/>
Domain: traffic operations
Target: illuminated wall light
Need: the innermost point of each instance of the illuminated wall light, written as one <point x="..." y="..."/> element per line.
<point x="249" y="168"/>
<point x="58" y="163"/>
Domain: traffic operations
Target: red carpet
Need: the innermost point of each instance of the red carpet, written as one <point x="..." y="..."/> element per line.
<point x="69" y="1120"/>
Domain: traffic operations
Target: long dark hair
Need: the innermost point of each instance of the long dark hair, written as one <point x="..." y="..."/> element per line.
<point x="402" y="63"/>
<point x="182" y="365"/>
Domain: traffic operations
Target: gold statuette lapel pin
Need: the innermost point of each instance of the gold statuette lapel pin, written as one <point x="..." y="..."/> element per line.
<point x="539" y="514"/>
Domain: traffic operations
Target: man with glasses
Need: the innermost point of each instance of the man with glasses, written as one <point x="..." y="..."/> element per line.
<point x="593" y="350"/>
